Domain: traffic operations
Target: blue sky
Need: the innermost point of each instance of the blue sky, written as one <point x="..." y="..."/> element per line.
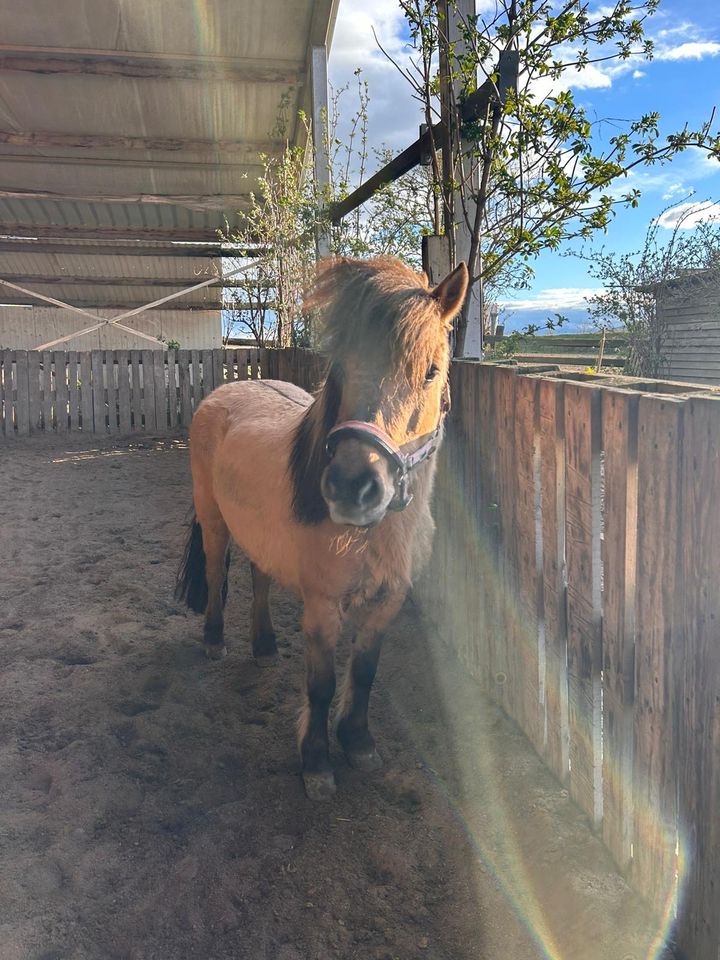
<point x="682" y="82"/>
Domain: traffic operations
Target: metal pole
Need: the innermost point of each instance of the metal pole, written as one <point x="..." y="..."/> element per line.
<point x="321" y="154"/>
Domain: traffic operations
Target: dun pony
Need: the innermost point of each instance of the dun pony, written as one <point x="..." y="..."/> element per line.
<point x="330" y="495"/>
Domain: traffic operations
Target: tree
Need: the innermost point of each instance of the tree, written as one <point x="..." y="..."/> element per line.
<point x="288" y="208"/>
<point x="688" y="259"/>
<point x="535" y="171"/>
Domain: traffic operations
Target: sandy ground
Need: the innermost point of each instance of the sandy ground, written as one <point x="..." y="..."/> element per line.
<point x="150" y="802"/>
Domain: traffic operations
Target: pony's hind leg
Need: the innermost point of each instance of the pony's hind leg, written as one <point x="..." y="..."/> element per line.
<point x="321" y="626"/>
<point x="262" y="635"/>
<point x="352" y="727"/>
<point x="215" y="540"/>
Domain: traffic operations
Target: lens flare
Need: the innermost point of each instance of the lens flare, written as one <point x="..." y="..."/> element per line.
<point x="486" y="814"/>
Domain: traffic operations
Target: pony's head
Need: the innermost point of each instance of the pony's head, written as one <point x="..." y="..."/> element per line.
<point x="379" y="413"/>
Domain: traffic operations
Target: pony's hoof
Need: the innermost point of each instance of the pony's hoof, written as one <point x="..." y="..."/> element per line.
<point x="266" y="660"/>
<point x="367" y="761"/>
<point x="319" y="787"/>
<point x="215" y="651"/>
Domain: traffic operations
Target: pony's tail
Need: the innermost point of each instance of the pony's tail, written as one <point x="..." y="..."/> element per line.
<point x="191" y="585"/>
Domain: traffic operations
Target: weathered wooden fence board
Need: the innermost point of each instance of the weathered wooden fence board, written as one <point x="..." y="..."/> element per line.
<point x="158" y="374"/>
<point x="208" y="383"/>
<point x="62" y="393"/>
<point x="148" y="392"/>
<point x="97" y="364"/>
<point x="22" y="387"/>
<point x="47" y="399"/>
<point x="34" y="391"/>
<point x="698" y="708"/>
<point x="73" y="390"/>
<point x="527" y="637"/>
<point x="173" y="398"/>
<point x="111" y="391"/>
<point x="185" y="386"/>
<point x="196" y="379"/>
<point x="658" y="643"/>
<point x="135" y="392"/>
<point x="619" y="444"/>
<point x="492" y="657"/>
<point x="123" y="373"/>
<point x="551" y="428"/>
<point x="86" y="393"/>
<point x="582" y="544"/>
<point x="507" y="682"/>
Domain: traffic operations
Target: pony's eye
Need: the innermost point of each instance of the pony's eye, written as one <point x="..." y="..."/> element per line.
<point x="432" y="372"/>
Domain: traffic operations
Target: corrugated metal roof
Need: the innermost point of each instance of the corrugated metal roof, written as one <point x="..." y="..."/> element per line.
<point x="86" y="143"/>
<point x="123" y="119"/>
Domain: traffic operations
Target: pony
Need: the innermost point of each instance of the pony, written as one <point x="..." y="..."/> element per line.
<point x="329" y="495"/>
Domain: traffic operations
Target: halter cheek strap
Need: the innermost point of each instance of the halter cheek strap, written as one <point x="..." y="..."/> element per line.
<point x="403" y="463"/>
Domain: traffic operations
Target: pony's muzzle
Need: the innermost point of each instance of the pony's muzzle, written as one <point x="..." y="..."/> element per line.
<point x="356" y="485"/>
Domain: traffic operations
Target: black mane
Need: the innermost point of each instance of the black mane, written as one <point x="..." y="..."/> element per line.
<point x="307" y="455"/>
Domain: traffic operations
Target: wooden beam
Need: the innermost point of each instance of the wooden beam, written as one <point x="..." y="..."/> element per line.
<point x="217" y="201"/>
<point x="60" y="280"/>
<point x="472" y="109"/>
<point x="49" y="61"/>
<point x="100" y="249"/>
<point x="89" y="233"/>
<point x="97" y="141"/>
<point x="104" y="307"/>
<point x="206" y="166"/>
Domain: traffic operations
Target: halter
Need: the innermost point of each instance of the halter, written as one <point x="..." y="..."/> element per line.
<point x="404" y="463"/>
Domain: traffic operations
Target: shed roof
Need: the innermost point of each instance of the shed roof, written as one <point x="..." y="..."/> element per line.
<point x="123" y="120"/>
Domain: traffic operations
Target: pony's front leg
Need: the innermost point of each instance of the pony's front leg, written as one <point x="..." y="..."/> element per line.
<point x="321" y="626"/>
<point x="352" y="728"/>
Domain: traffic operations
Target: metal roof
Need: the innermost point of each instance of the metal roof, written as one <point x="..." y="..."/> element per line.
<point x="129" y="120"/>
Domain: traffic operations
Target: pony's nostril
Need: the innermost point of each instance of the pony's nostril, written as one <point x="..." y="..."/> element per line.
<point x="369" y="491"/>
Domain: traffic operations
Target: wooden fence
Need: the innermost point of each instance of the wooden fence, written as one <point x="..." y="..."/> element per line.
<point x="584" y="595"/>
<point x="129" y="391"/>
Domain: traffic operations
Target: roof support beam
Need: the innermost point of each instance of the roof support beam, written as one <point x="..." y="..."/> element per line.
<point x="105" y="281"/>
<point x="146" y="65"/>
<point x="198" y="251"/>
<point x="88" y="233"/>
<point x="97" y="141"/>
<point x="249" y="165"/>
<point x="219" y="201"/>
<point x="102" y="305"/>
<point x="472" y="109"/>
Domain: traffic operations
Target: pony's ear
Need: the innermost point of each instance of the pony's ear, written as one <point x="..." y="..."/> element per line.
<point x="450" y="293"/>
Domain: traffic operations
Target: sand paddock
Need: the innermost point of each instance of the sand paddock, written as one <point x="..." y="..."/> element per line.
<point x="151" y="806"/>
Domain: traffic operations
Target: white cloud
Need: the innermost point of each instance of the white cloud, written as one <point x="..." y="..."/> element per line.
<point x="637" y="74"/>
<point x="688" y="215"/>
<point x="674" y="190"/>
<point x="692" y="50"/>
<point x="394" y="116"/>
<point x="554" y="299"/>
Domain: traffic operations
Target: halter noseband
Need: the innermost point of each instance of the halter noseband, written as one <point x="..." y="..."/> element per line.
<point x="404" y="463"/>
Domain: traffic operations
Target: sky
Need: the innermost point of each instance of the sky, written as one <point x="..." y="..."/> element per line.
<point x="682" y="82"/>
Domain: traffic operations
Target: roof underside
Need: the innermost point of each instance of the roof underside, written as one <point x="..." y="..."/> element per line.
<point x="124" y="120"/>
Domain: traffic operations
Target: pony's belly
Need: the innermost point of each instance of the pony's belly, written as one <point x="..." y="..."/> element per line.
<point x="266" y="544"/>
<point x="256" y="517"/>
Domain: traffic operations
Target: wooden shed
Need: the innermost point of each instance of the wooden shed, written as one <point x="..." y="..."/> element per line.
<point x="130" y="132"/>
<point x="688" y="312"/>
